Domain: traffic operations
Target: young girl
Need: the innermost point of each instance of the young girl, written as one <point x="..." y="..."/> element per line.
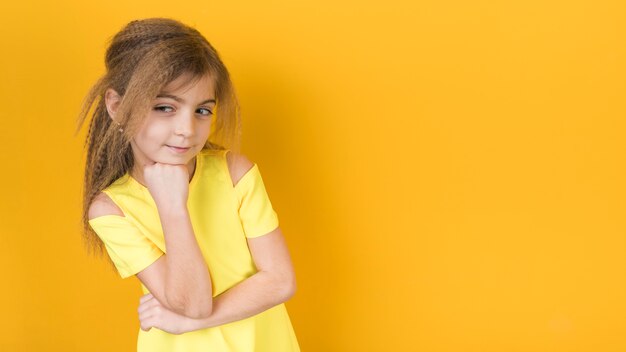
<point x="172" y="201"/>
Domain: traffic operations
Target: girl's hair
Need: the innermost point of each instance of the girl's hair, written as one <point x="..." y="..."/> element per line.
<point x="141" y="59"/>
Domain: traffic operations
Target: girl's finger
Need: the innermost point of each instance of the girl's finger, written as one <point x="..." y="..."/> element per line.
<point x="143" y="316"/>
<point x="142" y="308"/>
<point x="145" y="297"/>
<point x="147" y="305"/>
<point x="146" y="327"/>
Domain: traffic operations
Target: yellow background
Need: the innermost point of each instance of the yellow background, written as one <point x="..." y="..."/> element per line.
<point x="449" y="174"/>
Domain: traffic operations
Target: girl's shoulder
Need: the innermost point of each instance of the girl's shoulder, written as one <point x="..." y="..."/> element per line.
<point x="237" y="163"/>
<point x="103" y="205"/>
<point x="238" y="166"/>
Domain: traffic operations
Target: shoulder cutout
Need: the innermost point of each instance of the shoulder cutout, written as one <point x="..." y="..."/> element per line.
<point x="103" y="205"/>
<point x="238" y="165"/>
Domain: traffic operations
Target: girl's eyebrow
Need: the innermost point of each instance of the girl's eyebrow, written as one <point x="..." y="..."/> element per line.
<point x="181" y="100"/>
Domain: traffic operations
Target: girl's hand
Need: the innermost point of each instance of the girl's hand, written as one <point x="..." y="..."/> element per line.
<point x="168" y="184"/>
<point x="154" y="315"/>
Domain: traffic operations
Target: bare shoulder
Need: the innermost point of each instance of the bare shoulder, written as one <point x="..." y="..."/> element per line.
<point x="238" y="165"/>
<point x="103" y="205"/>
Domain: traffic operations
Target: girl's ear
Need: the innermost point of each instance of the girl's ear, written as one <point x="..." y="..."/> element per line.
<point x="112" y="101"/>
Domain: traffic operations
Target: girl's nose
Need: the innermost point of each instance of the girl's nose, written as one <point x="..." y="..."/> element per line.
<point x="185" y="125"/>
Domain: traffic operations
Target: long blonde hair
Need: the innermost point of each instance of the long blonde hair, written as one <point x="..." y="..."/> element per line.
<point x="140" y="60"/>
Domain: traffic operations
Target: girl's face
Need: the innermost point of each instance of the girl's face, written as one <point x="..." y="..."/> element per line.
<point x="178" y="124"/>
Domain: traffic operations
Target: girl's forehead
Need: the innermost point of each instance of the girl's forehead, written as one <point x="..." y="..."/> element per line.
<point x="187" y="81"/>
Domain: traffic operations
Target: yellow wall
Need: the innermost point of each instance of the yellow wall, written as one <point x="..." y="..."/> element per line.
<point x="449" y="174"/>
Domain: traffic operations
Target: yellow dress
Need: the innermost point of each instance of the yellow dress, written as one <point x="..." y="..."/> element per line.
<point x="223" y="217"/>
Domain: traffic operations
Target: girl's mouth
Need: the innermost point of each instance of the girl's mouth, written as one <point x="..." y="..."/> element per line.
<point x="178" y="149"/>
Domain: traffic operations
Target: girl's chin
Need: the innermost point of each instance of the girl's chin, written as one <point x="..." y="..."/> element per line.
<point x="172" y="160"/>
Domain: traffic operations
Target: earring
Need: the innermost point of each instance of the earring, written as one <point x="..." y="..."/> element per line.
<point x="119" y="124"/>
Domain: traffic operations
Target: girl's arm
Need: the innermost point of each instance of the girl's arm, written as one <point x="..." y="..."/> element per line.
<point x="274" y="283"/>
<point x="182" y="270"/>
<point x="180" y="279"/>
<point x="274" y="277"/>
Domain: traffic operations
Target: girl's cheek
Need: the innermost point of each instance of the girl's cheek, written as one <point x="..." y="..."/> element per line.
<point x="155" y="127"/>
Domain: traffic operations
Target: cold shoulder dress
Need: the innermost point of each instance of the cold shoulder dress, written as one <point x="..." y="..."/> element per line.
<point x="223" y="217"/>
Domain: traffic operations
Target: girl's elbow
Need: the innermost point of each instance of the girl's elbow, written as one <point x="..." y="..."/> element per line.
<point x="199" y="311"/>
<point x="191" y="309"/>
<point x="289" y="289"/>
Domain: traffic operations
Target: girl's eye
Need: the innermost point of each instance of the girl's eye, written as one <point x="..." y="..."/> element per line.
<point x="163" y="108"/>
<point x="207" y="112"/>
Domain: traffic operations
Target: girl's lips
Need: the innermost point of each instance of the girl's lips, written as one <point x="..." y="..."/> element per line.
<point x="177" y="149"/>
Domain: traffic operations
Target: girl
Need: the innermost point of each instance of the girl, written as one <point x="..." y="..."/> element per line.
<point x="170" y="199"/>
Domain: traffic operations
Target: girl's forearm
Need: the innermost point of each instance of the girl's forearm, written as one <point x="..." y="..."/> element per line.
<point x="254" y="295"/>
<point x="188" y="288"/>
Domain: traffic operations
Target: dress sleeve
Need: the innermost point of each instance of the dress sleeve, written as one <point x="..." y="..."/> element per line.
<point x="255" y="209"/>
<point x="130" y="250"/>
